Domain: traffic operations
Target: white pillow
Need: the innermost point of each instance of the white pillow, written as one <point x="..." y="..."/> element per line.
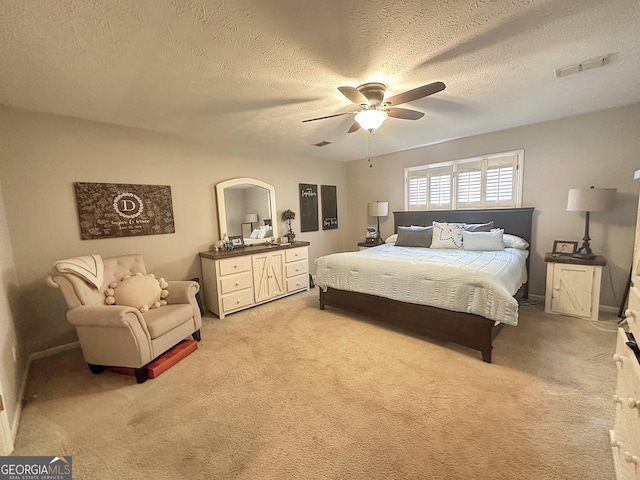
<point x="513" y="241"/>
<point x="485" y="241"/>
<point x="446" y="235"/>
<point x="392" y="238"/>
<point x="255" y="233"/>
<point x="263" y="231"/>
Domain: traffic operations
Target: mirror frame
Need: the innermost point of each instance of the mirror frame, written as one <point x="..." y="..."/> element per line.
<point x="222" y="208"/>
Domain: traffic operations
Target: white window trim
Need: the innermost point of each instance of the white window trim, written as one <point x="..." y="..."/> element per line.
<point x="519" y="178"/>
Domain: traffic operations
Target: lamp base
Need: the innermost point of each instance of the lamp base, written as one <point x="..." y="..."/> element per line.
<point x="584" y="256"/>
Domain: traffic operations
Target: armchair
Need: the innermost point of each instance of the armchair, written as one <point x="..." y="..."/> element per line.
<point x="124" y="335"/>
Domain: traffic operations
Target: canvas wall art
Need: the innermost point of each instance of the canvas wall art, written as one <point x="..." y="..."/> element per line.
<point x="108" y="210"/>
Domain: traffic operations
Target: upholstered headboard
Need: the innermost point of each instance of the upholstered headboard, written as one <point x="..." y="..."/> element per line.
<point x="516" y="221"/>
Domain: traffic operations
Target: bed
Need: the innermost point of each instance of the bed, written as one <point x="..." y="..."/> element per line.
<point x="474" y="330"/>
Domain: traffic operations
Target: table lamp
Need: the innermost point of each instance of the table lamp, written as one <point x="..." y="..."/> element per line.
<point x="589" y="200"/>
<point x="378" y="209"/>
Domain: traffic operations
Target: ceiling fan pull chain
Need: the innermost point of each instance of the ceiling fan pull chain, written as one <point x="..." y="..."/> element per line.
<point x="369" y="159"/>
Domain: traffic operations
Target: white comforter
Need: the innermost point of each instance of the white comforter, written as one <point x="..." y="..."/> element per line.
<point x="482" y="283"/>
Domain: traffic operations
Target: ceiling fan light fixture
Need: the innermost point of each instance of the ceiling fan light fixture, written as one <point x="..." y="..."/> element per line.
<point x="370" y="119"/>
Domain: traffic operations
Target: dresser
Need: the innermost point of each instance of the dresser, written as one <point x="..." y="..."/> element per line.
<point x="625" y="434"/>
<point x="245" y="277"/>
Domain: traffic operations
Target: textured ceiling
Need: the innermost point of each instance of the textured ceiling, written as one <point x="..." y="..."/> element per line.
<point x="249" y="71"/>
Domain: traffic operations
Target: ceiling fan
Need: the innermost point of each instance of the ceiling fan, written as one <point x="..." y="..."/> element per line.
<point x="374" y="108"/>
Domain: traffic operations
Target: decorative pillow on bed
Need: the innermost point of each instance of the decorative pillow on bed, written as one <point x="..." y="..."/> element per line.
<point x="513" y="241"/>
<point x="477" y="227"/>
<point x="485" y="241"/>
<point x="414" y="237"/>
<point x="392" y="238"/>
<point x="446" y="235"/>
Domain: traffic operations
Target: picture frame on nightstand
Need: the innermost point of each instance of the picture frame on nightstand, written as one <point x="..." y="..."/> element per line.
<point x="564" y="247"/>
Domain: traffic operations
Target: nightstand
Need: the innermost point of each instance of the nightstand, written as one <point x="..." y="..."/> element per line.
<point x="573" y="286"/>
<point x="364" y="245"/>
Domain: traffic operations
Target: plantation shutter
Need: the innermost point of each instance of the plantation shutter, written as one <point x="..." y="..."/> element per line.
<point x="501" y="181"/>
<point x="491" y="181"/>
<point x="417" y="189"/>
<point x="469" y="185"/>
<point x="440" y="187"/>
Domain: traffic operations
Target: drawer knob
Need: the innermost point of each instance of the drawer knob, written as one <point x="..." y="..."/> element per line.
<point x="612" y="439"/>
<point x="629" y="313"/>
<point x="235" y="266"/>
<point x="617" y="399"/>
<point x="237" y="283"/>
<point x="617" y="358"/>
<point x="237" y="301"/>
<point x="633" y="403"/>
<point x="630" y="458"/>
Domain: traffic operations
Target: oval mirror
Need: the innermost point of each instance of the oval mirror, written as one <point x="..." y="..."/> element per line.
<point x="246" y="207"/>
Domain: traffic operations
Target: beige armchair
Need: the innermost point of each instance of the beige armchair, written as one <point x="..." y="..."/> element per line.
<point x="121" y="335"/>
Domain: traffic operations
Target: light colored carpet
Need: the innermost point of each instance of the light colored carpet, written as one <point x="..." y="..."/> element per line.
<point x="287" y="391"/>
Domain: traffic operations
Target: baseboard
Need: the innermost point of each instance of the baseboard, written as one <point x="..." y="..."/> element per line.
<point x="52" y="351"/>
<point x="25" y="377"/>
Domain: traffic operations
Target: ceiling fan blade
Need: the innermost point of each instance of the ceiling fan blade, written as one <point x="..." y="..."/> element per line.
<point x="355" y="95"/>
<point x="415" y="94"/>
<point x="404" y="113"/>
<point x="354" y="128"/>
<point x="328" y="116"/>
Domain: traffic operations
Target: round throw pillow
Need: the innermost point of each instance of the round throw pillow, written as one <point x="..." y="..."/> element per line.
<point x="139" y="291"/>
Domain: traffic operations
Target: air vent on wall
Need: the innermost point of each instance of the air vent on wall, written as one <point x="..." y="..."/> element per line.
<point x="321" y="144"/>
<point x="582" y="66"/>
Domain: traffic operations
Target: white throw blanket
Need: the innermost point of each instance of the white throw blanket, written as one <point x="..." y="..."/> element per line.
<point x="88" y="267"/>
<point x="475" y="282"/>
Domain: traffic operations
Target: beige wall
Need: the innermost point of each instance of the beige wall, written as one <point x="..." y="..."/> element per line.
<point x="600" y="149"/>
<point x="42" y="155"/>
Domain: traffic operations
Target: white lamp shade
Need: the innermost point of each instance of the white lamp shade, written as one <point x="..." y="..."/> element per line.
<point x="251" y="217"/>
<point x="370" y="119"/>
<point x="590" y="199"/>
<point x="378" y="209"/>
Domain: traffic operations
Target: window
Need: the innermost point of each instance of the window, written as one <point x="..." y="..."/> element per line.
<point x="491" y="181"/>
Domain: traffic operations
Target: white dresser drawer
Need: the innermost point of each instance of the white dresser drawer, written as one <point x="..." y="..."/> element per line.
<point x="634" y="299"/>
<point x="238" y="299"/>
<point x="295" y="254"/>
<point x="235" y="265"/>
<point x="297" y="268"/>
<point x="233" y="283"/>
<point x="297" y="283"/>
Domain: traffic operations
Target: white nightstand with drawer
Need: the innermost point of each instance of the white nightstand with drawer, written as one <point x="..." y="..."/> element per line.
<point x="573" y="286"/>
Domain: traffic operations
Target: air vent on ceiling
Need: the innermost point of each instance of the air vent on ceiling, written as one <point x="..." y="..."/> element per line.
<point x="321" y="144"/>
<point x="582" y="66"/>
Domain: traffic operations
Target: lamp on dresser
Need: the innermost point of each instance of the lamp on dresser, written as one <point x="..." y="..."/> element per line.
<point x="589" y="200"/>
<point x="250" y="219"/>
<point x="378" y="209"/>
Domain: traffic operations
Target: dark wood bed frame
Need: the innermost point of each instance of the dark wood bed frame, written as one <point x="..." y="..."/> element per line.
<point x="464" y="329"/>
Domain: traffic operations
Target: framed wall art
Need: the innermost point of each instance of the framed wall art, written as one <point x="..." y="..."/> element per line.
<point x="329" y="198"/>
<point x="308" y="207"/>
<point x="109" y="210"/>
